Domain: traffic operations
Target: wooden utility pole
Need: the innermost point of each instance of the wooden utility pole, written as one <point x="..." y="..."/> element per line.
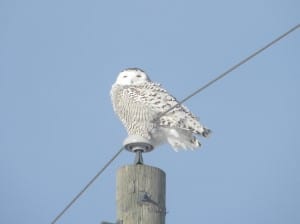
<point x="141" y="189"/>
<point x="141" y="195"/>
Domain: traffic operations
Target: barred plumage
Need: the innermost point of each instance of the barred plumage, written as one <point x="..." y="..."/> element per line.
<point x="138" y="102"/>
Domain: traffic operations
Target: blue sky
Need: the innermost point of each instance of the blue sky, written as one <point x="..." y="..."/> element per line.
<point x="58" y="60"/>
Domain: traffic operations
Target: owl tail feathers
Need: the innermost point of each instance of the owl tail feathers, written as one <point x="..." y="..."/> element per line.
<point x="206" y="132"/>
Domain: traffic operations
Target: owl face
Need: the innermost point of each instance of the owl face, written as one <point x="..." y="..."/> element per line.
<point x="132" y="76"/>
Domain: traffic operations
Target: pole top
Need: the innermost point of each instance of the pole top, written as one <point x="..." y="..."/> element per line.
<point x="134" y="143"/>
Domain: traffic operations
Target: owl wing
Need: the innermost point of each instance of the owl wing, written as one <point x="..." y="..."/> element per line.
<point x="152" y="96"/>
<point x="157" y="100"/>
<point x="141" y="105"/>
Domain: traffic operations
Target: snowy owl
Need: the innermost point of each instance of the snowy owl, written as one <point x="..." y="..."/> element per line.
<point x="139" y="102"/>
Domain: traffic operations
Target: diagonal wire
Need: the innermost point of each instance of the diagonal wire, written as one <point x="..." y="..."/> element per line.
<point x="231" y="69"/>
<point x="87" y="186"/>
<point x="167" y="111"/>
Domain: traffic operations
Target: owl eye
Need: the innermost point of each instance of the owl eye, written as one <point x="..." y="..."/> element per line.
<point x="139" y="76"/>
<point x="125" y="76"/>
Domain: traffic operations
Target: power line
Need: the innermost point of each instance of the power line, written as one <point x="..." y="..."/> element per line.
<point x="231" y="69"/>
<point x="87" y="186"/>
<point x="167" y="111"/>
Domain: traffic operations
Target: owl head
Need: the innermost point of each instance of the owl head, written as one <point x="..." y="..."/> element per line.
<point x="132" y="76"/>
